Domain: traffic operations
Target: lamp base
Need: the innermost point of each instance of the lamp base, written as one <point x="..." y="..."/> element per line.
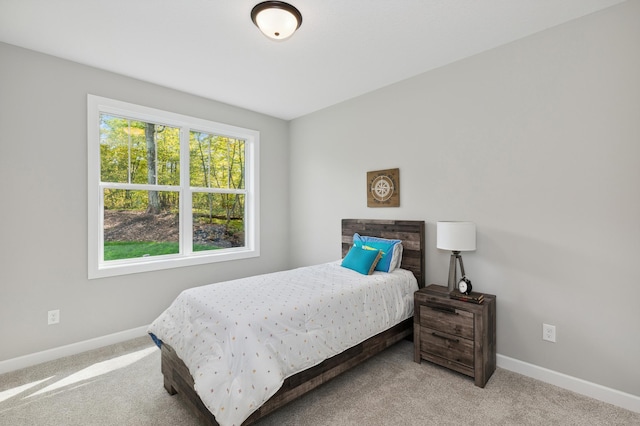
<point x="453" y="276"/>
<point x="451" y="283"/>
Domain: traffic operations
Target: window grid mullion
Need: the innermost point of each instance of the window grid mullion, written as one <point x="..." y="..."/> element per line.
<point x="138" y="186"/>
<point x="186" y="219"/>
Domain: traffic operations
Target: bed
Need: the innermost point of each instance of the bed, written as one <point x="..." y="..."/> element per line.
<point x="178" y="377"/>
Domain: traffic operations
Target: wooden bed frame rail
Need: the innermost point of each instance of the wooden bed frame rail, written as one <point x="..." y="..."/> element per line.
<point x="177" y="378"/>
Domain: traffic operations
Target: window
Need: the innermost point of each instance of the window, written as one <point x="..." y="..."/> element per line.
<point x="167" y="190"/>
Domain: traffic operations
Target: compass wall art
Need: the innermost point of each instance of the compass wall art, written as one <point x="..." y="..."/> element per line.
<point x="383" y="188"/>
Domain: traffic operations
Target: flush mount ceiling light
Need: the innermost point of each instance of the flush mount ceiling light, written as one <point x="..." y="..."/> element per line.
<point x="276" y="19"/>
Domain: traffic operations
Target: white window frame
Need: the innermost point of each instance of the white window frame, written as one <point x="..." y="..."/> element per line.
<point x="98" y="268"/>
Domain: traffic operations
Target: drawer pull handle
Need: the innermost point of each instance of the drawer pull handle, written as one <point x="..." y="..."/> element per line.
<point x="433" y="333"/>
<point x="445" y="310"/>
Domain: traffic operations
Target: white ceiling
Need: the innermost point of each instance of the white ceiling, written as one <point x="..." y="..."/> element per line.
<point x="211" y="48"/>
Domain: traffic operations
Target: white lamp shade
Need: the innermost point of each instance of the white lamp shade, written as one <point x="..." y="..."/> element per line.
<point x="277" y="23"/>
<point x="456" y="236"/>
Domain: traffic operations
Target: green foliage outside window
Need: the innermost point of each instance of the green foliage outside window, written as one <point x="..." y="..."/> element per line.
<point x="138" y="153"/>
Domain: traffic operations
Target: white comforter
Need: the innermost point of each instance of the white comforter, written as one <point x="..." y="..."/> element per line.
<point x="240" y="339"/>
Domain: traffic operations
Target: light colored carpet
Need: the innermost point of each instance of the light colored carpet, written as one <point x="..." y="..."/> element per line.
<point x="122" y="385"/>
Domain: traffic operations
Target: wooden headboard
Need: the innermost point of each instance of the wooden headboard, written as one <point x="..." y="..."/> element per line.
<point x="411" y="232"/>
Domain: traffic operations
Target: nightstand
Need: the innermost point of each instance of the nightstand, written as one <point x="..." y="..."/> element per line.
<point x="455" y="334"/>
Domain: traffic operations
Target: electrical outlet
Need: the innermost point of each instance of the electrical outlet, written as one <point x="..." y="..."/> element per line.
<point x="549" y="333"/>
<point x="53" y="317"/>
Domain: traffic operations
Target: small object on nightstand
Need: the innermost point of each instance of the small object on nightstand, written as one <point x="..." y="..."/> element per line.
<point x="454" y="333"/>
<point x="471" y="297"/>
<point x="464" y="285"/>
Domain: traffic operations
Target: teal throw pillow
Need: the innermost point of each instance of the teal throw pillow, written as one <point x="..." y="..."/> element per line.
<point x="361" y="260"/>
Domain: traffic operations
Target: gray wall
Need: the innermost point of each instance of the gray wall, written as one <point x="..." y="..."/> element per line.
<point x="538" y="142"/>
<point x="43" y="207"/>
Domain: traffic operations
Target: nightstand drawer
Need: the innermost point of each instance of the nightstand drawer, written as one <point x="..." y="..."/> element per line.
<point x="447" y="320"/>
<point x="446" y="346"/>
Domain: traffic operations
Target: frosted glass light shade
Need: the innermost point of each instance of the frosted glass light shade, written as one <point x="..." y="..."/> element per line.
<point x="456" y="236"/>
<point x="277" y="20"/>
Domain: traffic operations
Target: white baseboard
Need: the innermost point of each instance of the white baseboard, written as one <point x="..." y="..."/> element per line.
<point x="72" y="349"/>
<point x="592" y="390"/>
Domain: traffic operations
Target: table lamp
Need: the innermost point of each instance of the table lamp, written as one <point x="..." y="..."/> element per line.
<point x="457" y="237"/>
